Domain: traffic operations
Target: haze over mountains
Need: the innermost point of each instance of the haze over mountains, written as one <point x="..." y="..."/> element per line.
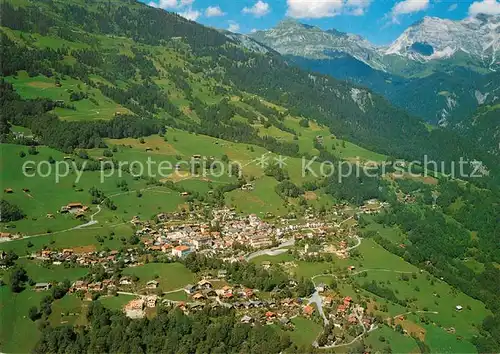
<point x="451" y="65"/>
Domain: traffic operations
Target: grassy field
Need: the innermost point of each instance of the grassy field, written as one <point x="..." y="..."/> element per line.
<point x="52" y="273"/>
<point x="177" y="296"/>
<point x="171" y="276"/>
<point x="97" y="106"/>
<point x="305" y="331"/>
<point x="116" y="302"/>
<point x="69" y="310"/>
<point x="399" y="343"/>
<point x="72" y="239"/>
<point x="18" y="334"/>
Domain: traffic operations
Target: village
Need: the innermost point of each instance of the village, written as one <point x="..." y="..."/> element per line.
<point x="230" y="237"/>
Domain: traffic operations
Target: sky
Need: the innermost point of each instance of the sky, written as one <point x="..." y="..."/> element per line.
<point x="380" y="21"/>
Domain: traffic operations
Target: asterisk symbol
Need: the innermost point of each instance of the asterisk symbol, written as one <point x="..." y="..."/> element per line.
<point x="281" y="161"/>
<point x="262" y="161"/>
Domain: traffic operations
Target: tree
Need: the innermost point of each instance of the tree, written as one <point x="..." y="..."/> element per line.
<point x="32" y="150"/>
<point x="22" y="154"/>
<point x="10" y="212"/>
<point x="18" y="277"/>
<point x="33" y="313"/>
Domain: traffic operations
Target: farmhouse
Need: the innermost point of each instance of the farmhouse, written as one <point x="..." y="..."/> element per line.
<point x="8" y="190"/>
<point x="204" y="284"/>
<point x="190" y="289"/>
<point x="42" y="286"/>
<point x="152" y="284"/>
<point x="125" y="281"/>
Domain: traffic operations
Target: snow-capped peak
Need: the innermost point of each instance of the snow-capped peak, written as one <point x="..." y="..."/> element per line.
<point x="436" y="38"/>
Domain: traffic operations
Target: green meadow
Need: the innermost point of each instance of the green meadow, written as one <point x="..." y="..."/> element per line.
<point x="171" y="276"/>
<point x="96" y="106"/>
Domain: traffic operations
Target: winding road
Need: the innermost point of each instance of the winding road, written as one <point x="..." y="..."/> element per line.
<point x="92" y="217"/>
<point x="271" y="251"/>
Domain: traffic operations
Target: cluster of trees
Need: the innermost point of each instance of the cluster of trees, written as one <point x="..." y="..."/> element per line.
<point x="287" y="189"/>
<point x="10" y="212"/>
<point x="171" y="331"/>
<point x="347" y="184"/>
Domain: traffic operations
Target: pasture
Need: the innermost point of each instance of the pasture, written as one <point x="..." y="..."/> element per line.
<point x="305" y="332"/>
<point x="171" y="276"/>
<point x="18" y="334"/>
<point x="96" y="106"/>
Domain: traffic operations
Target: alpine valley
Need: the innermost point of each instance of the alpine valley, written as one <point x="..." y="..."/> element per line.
<point x="168" y="187"/>
<point x="451" y="65"/>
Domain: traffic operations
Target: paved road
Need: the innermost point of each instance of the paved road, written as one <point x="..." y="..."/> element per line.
<point x="271" y="251"/>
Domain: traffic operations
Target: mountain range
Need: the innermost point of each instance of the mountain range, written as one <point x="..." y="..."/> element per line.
<point x="451" y="65"/>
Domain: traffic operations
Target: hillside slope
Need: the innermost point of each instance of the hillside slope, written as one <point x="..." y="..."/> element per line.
<point x="451" y="85"/>
<point x="158" y="65"/>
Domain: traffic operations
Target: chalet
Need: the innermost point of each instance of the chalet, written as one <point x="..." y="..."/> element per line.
<point x="308" y="310"/>
<point x="166" y="248"/>
<point x="246" y="319"/>
<point x="108" y="284"/>
<point x="196" y="157"/>
<point x="149" y="149"/>
<point x="97" y="286"/>
<point x="50" y="216"/>
<point x="74" y="206"/>
<point x="247" y="187"/>
<point x="270" y="316"/>
<point x="285" y="321"/>
<point x="190" y="289"/>
<point x="209" y="293"/>
<point x="68" y="158"/>
<point x="152" y="284"/>
<point x="198" y="297"/>
<point x="125" y="281"/>
<point x="341" y="309"/>
<point x="459" y="308"/>
<point x="321" y="287"/>
<point x="328" y="301"/>
<point x="79" y="285"/>
<point x="204" y="284"/>
<point x="347" y="301"/>
<point x="67" y="252"/>
<point x="26" y="190"/>
<point x="42" y="286"/>
<point x="8" y="190"/>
